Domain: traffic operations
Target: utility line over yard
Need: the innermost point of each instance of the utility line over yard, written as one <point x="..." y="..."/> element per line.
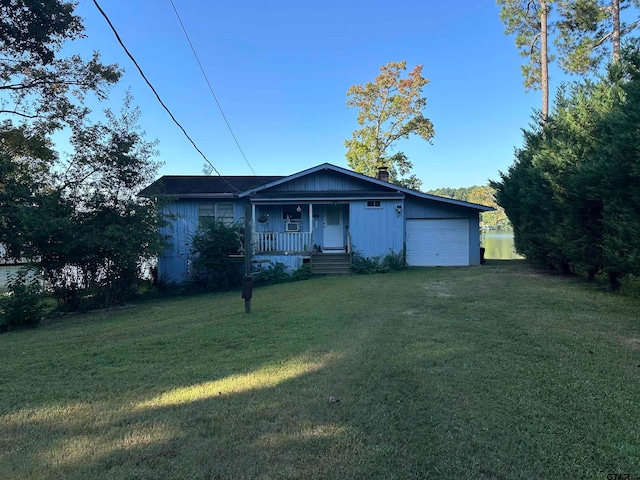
<point x="144" y="77"/>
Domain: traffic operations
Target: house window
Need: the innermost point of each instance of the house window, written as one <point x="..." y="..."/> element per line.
<point x="373" y="204"/>
<point x="290" y="212"/>
<point x="224" y="212"/>
<point x="209" y="212"/>
<point x="206" y="214"/>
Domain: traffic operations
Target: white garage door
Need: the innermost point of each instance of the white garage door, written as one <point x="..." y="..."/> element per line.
<point x="438" y="242"/>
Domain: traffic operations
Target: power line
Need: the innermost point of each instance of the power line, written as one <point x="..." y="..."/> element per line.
<point x="158" y="96"/>
<point x="209" y="84"/>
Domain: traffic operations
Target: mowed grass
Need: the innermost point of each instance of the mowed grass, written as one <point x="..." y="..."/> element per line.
<point x="498" y="371"/>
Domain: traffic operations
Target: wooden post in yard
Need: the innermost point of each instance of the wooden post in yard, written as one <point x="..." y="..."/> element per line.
<point x="247" y="280"/>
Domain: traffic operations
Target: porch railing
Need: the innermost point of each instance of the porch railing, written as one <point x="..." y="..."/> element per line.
<point x="282" y="242"/>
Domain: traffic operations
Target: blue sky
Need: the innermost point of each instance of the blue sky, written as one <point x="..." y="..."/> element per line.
<point x="281" y="71"/>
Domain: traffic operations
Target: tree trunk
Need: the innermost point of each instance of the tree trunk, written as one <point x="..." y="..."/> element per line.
<point x="544" y="59"/>
<point x="615" y="37"/>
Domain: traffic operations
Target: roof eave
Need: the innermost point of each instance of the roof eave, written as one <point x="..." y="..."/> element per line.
<point x="188" y="195"/>
<point x="321" y="199"/>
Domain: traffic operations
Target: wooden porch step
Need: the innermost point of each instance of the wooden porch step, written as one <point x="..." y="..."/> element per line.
<point x="331" y="263"/>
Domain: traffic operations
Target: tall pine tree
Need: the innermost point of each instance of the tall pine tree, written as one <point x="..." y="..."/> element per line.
<point x="529" y="21"/>
<point x="590" y="32"/>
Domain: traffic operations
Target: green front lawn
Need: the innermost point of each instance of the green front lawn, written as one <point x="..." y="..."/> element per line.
<point x="497" y="371"/>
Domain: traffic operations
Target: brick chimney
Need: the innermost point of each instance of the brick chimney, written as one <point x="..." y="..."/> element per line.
<point x="383" y="174"/>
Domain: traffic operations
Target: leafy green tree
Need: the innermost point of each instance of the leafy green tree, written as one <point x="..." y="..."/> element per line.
<point x="485" y="195"/>
<point x="529" y="21"/>
<point x="77" y="215"/>
<point x="554" y="223"/>
<point x="37" y="84"/>
<point x="36" y="29"/>
<point x="87" y="229"/>
<point x="40" y="93"/>
<point x="570" y="142"/>
<point x="390" y="109"/>
<point x="25" y="163"/>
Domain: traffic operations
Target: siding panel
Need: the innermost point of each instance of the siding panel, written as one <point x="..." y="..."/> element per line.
<point x="422" y="208"/>
<point x="325" y="182"/>
<point x="374" y="231"/>
<point x="292" y="262"/>
<point x="275" y="223"/>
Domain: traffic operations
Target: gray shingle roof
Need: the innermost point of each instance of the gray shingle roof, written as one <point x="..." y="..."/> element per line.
<point x="178" y="185"/>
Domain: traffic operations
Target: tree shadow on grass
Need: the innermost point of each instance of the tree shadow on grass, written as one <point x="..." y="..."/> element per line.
<point x="256" y="427"/>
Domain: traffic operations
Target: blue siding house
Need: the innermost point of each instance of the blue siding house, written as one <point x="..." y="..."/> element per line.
<point x="319" y="216"/>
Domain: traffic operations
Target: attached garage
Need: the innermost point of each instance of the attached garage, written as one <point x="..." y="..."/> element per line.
<point x="437" y="242"/>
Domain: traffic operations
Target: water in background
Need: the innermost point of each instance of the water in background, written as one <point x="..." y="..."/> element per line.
<point x="498" y="245"/>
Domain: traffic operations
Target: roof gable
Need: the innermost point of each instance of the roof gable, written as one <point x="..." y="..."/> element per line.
<point x="379" y="185"/>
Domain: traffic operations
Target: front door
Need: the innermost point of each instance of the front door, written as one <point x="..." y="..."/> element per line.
<point x="333" y="227"/>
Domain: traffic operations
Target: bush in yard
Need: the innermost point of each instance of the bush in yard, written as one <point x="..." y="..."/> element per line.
<point x="276" y="273"/>
<point x="630" y="286"/>
<point x="394" y="260"/>
<point x="24" y="305"/>
<point x="212" y="246"/>
<point x="391" y="261"/>
<point x="302" y="273"/>
<point x="360" y="264"/>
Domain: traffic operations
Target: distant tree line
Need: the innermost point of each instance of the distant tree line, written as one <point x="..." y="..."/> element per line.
<point x="484" y="195"/>
<point x="573" y="192"/>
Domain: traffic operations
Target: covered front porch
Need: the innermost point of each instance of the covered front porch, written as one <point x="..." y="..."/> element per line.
<point x="300" y="228"/>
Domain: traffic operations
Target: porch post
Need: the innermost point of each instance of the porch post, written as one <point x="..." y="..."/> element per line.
<point x="252" y="223"/>
<point x="253" y="217"/>
<point x="310" y="227"/>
